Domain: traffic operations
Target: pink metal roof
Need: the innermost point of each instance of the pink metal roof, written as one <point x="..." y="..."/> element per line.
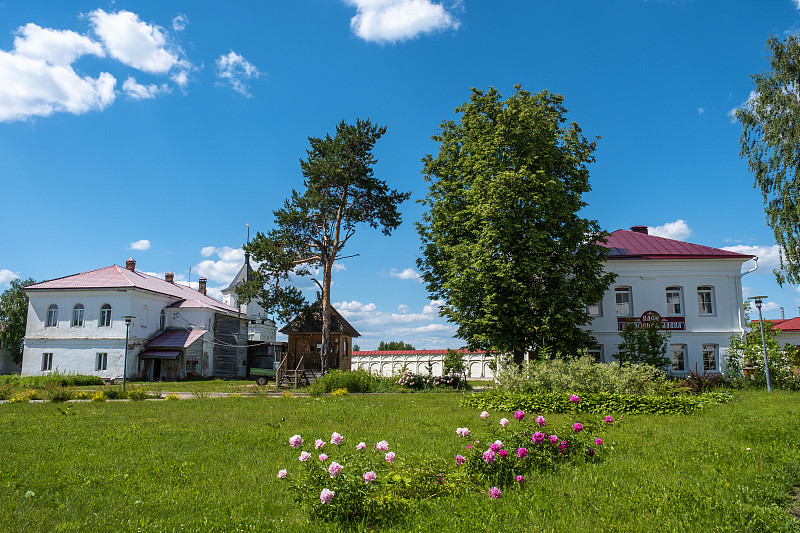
<point x="412" y="352"/>
<point x="625" y="244"/>
<point x="176" y="338"/>
<point x="115" y="277"/>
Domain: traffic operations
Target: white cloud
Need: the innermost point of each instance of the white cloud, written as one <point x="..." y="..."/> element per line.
<point x="6" y="276"/>
<point x="750" y="98"/>
<point x="207" y="251"/>
<point x="768" y="256"/>
<point x="236" y="70"/>
<point x="678" y="230"/>
<point x="397" y="20"/>
<point x="135" y="43"/>
<point x="369" y="315"/>
<point x="143" y="244"/>
<point x="137" y="91"/>
<point x="179" y="22"/>
<point x="224" y="270"/>
<point x="408" y="273"/>
<point x="797" y="4"/>
<point x="700" y="110"/>
<point x="33" y="87"/>
<point x="57" y="47"/>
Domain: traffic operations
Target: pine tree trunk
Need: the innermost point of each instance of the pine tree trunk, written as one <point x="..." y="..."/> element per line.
<point x="326" y="315"/>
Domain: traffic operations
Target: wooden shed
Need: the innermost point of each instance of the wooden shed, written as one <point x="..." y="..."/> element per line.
<point x="305" y="339"/>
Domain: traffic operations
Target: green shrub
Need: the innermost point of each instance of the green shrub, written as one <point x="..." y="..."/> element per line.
<point x="6" y="390"/>
<point x="137" y="394"/>
<point x="56" y="393"/>
<point x="55" y="378"/>
<point x="355" y="381"/>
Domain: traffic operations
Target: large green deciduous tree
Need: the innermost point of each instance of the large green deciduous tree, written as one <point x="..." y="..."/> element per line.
<point x="14" y="316"/>
<point x="644" y="343"/>
<point x="770" y="142"/>
<point x="503" y="243"/>
<point x="313" y="227"/>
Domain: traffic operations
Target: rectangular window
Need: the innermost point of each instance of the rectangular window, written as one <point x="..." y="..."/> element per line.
<point x="595" y="310"/>
<point x="597" y="353"/>
<point x="674" y="298"/>
<point x="102" y="362"/>
<point x="623" y="295"/>
<point x="705" y="300"/>
<point x="678" y="355"/>
<point x="710" y="357"/>
<point x="47" y="362"/>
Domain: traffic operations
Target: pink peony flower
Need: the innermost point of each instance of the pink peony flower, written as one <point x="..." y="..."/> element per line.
<point x="553" y="439"/>
<point x="462" y="432"/>
<point x="382" y="446"/>
<point x="502" y="454"/>
<point x="336" y="439"/>
<point x="574" y="398"/>
<point x="326" y="495"/>
<point x="389" y="457"/>
<point x="578" y="427"/>
<point x="609" y="419"/>
<point x="519" y="479"/>
<point x="335" y="469"/>
<point x="361" y="446"/>
<point x="323" y="457"/>
<point x="538" y="437"/>
<point x="504" y="422"/>
<point x="368" y="476"/>
<point x="496" y="446"/>
<point x="485" y="415"/>
<point x="460" y="460"/>
<point x="304" y="456"/>
<point x="598" y="441"/>
<point x="494" y="493"/>
<point x="563" y="446"/>
<point x="489" y="456"/>
<point x="319" y="443"/>
<point x="296" y="441"/>
<point x="519" y="415"/>
<point x="282" y="473"/>
<point x="540" y="421"/>
<point x="522" y="452"/>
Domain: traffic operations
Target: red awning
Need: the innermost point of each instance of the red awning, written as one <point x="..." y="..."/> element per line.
<point x="153" y="354"/>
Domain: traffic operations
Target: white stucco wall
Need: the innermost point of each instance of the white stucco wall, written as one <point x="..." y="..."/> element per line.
<point x="392" y="364"/>
<point x="648" y="280"/>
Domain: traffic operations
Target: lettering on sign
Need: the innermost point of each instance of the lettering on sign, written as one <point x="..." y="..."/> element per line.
<point x="669" y="323"/>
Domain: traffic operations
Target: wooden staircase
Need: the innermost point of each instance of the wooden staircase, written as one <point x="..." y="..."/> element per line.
<point x="292" y="377"/>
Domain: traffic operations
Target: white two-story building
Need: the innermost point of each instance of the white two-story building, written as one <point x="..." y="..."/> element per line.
<point x="695" y="290"/>
<point x="78" y="324"/>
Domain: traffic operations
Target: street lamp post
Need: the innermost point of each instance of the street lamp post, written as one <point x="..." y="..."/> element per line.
<point x="757" y="300"/>
<point x="128" y="320"/>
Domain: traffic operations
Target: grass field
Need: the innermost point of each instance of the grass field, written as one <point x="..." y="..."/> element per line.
<point x="211" y="464"/>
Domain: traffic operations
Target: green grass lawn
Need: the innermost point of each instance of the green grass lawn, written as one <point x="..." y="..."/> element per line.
<point x="211" y="465"/>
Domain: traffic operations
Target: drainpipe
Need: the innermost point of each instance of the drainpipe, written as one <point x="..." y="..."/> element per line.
<point x="739" y="288"/>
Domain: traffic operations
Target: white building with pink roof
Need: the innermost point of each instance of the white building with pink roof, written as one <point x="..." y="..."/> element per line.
<point x="77" y="324"/>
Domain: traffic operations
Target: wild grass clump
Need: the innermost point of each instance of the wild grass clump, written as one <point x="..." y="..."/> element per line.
<point x="56" y="393"/>
<point x="355" y="381"/>
<point x="582" y="375"/>
<point x="54" y="378"/>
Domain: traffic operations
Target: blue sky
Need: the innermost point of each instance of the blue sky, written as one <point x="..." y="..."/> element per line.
<point x="158" y="130"/>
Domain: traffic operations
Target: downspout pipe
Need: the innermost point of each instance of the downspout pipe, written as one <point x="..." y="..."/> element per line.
<point x="739" y="289"/>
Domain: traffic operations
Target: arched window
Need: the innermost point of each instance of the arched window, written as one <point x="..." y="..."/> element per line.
<point x="105" y="316"/>
<point x="52" y="316"/>
<point x="162" y="320"/>
<point x="77" y="316"/>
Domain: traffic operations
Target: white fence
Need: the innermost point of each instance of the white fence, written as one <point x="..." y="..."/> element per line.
<point x="418" y="361"/>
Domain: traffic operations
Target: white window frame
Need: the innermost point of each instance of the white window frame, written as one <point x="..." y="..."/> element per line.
<point x="706" y="290"/>
<point x="101" y="361"/>
<point x="162" y="320"/>
<point x="711" y="354"/>
<point x="105" y="316"/>
<point x="77" y="316"/>
<point x="674" y="296"/>
<point x="628" y="293"/>
<point x="595" y="310"/>
<point x="52" y="316"/>
<point x="678" y="365"/>
<point x="597" y="352"/>
<point x="47" y="361"/>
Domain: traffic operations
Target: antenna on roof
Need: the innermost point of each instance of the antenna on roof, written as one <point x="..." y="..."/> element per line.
<point x="248" y="233"/>
<point x="190" y="275"/>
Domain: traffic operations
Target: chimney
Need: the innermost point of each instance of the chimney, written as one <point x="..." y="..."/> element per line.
<point x="202" y="286"/>
<point x="130" y="264"/>
<point x="640" y="229"/>
<point x="169" y="277"/>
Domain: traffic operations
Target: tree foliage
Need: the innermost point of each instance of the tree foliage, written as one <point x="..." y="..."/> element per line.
<point x="14" y="316"/>
<point x="394" y="345"/>
<point x="453" y="362"/>
<point x="644" y="343"/>
<point x="313" y="227"/>
<point x="502" y="241"/>
<point x="770" y="142"/>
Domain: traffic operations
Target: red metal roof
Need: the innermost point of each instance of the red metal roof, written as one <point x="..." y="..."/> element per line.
<point x="116" y="277"/>
<point x="625" y="244"/>
<point x="789" y="324"/>
<point x="176" y="338"/>
<point x="412" y="352"/>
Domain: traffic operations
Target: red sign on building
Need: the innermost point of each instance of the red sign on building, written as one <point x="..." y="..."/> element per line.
<point x="671" y="323"/>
